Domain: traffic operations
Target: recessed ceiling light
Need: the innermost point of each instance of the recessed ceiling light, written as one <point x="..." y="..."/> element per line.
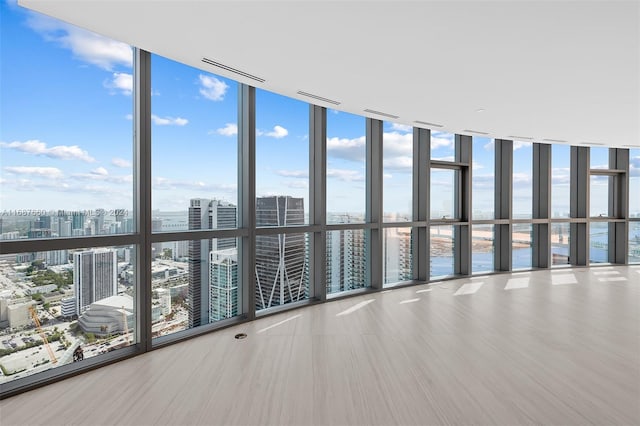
<point x="526" y="138"/>
<point x="320" y="98"/>
<point x="477" y="132"/>
<point x="480" y="110"/>
<point x="232" y="70"/>
<point x="384" y="114"/>
<point x="426" y="123"/>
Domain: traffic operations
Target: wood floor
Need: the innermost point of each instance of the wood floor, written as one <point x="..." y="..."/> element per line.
<point x="555" y="347"/>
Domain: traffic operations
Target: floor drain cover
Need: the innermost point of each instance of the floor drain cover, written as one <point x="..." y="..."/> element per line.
<point x="241" y="336"/>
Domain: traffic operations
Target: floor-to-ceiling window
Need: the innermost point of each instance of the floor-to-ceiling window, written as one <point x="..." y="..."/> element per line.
<point x="634" y="205"/>
<point x="68" y="291"/>
<point x="194" y="188"/>
<point x="282" y="200"/>
<point x="346" y="246"/>
<point x="397" y="193"/>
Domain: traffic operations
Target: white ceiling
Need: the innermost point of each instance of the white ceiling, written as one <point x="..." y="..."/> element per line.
<point x="548" y="70"/>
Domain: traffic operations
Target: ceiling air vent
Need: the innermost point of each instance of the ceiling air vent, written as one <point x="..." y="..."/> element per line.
<point x="426" y="123"/>
<point x="475" y="132"/>
<point x="319" y="98"/>
<point x="232" y="70"/>
<point x="384" y="114"/>
<point x="520" y="138"/>
<point x="555" y="140"/>
<point x="593" y="143"/>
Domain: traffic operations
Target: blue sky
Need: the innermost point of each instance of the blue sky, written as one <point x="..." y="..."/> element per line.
<point x="66" y="140"/>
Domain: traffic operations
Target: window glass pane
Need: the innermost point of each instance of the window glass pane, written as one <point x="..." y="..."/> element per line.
<point x="443" y="194"/>
<point x="599" y="242"/>
<point x="58" y="307"/>
<point x="483" y="182"/>
<point x="443" y="146"/>
<point x="521" y="254"/>
<point x="634" y="242"/>
<point x="483" y="248"/>
<point x="522" y="180"/>
<point x="282" y="149"/>
<point x="599" y="195"/>
<point x="345" y="167"/>
<point x="397" y="159"/>
<point x="194" y="283"/>
<point x="346" y="260"/>
<point x="560" y="180"/>
<point x="560" y="234"/>
<point x="397" y="255"/>
<point x="599" y="158"/>
<point x="634" y="183"/>
<point x="442" y="245"/>
<point x="282" y="270"/>
<point x="67" y="138"/>
<point x="194" y="144"/>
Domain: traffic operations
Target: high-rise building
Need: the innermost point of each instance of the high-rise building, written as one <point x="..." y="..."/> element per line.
<point x="206" y="214"/>
<point x="77" y="221"/>
<point x="223" y="282"/>
<point x="280" y="258"/>
<point x="346" y="260"/>
<point x="95" y="275"/>
<point x="156" y="248"/>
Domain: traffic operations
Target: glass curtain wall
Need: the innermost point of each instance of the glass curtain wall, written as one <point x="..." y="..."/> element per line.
<point x="89" y="273"/>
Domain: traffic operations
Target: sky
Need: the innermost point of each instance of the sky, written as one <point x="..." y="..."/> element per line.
<point x="67" y="135"/>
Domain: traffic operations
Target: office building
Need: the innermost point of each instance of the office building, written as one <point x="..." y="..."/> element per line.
<point x="206" y="214"/>
<point x="223" y="284"/>
<point x="280" y="259"/>
<point x="94" y="276"/>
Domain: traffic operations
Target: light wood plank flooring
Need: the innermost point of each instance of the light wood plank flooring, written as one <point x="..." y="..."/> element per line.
<point x="555" y="347"/>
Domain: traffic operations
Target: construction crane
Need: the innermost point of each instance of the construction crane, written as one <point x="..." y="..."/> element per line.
<point x="34" y="315"/>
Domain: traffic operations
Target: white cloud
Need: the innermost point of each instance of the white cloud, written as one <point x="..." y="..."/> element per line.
<point x="86" y="46"/>
<point x="298" y="184"/>
<point x="168" y="121"/>
<point x="345" y="175"/>
<point x="128" y="117"/>
<point x="120" y="82"/>
<point x="212" y="88"/>
<point x="634" y="166"/>
<point x="401" y="127"/>
<point x="229" y="129"/>
<point x="397" y="151"/>
<point x="161" y="183"/>
<point x="347" y="149"/>
<point x="120" y="162"/>
<point x="100" y="171"/>
<point x="387" y="176"/>
<point x="520" y="144"/>
<point x="102" y="175"/>
<point x="278" y="132"/>
<point x="63" y="152"/>
<point x="293" y="173"/>
<point x="45" y="172"/>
